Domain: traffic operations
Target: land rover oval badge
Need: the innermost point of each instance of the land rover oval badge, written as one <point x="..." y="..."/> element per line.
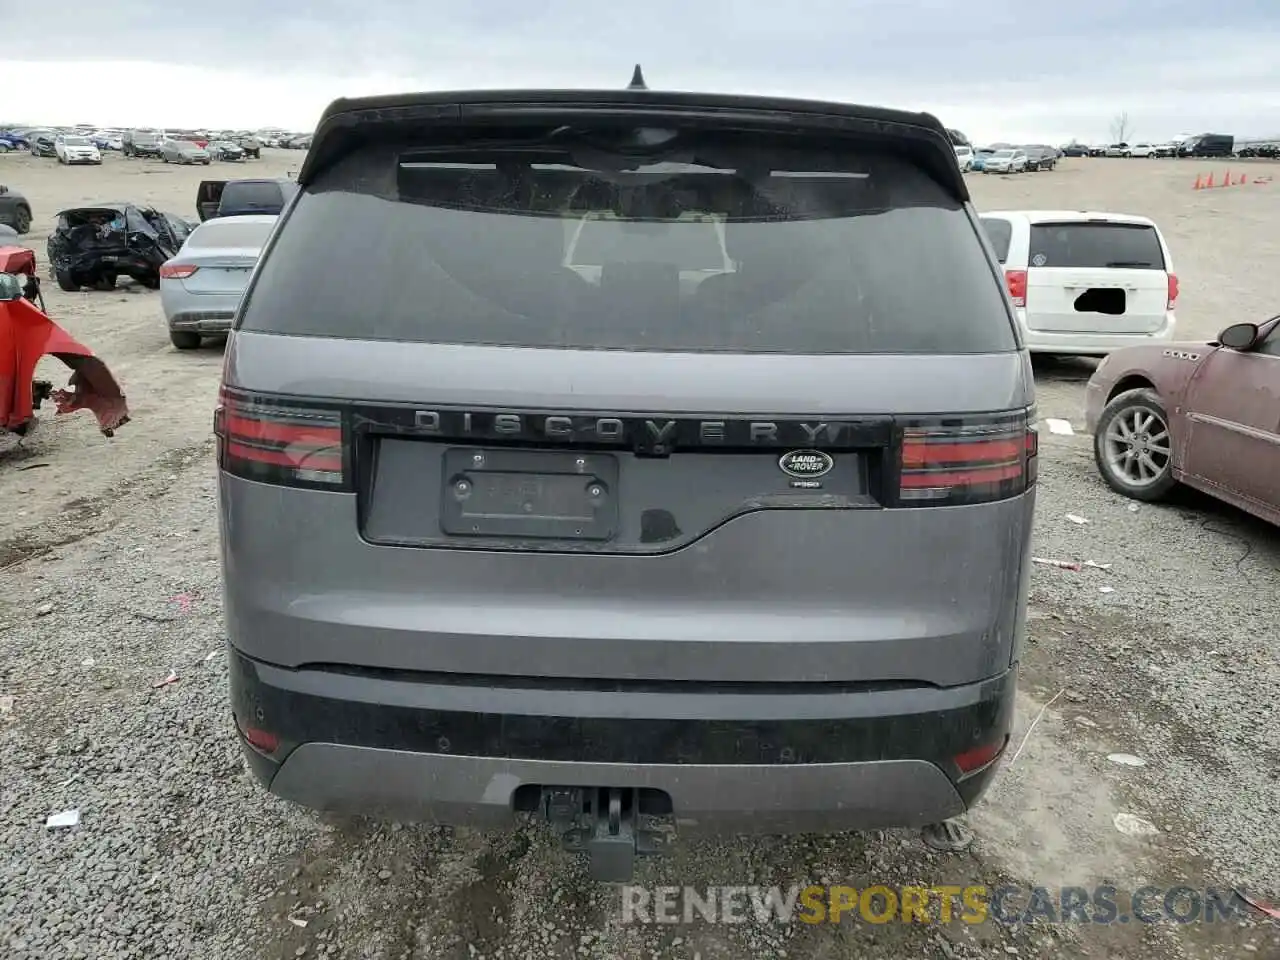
<point x="806" y="464"/>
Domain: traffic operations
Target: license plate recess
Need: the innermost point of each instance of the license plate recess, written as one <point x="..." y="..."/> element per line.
<point x="529" y="494"/>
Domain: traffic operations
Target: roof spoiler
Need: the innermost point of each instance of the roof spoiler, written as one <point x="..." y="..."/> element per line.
<point x="347" y="124"/>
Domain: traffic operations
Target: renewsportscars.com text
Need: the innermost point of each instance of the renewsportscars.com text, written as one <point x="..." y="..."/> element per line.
<point x="882" y="904"/>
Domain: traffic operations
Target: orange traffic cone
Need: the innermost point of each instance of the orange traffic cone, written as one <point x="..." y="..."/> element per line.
<point x="1226" y="179"/>
<point x="1243" y="179"/>
<point x="1199" y="185"/>
<point x="1209" y="183"/>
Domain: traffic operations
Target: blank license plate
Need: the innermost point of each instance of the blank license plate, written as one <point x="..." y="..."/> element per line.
<point x="529" y="494"/>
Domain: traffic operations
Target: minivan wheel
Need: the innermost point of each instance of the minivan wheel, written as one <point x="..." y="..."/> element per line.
<point x="1133" y="447"/>
<point x="22" y="220"/>
<point x="184" y="339"/>
<point x="67" y="280"/>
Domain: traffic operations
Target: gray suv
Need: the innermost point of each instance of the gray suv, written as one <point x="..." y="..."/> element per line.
<point x="617" y="456"/>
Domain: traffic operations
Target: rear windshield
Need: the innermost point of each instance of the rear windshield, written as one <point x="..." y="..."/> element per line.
<point x="711" y="243"/>
<point x="999" y="232"/>
<point x="230" y="233"/>
<point x="252" y="194"/>
<point x="1092" y="245"/>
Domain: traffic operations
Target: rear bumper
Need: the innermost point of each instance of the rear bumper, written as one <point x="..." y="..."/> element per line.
<point x="459" y="751"/>
<point x="203" y="321"/>
<point x="1088" y="344"/>
<point x="206" y="313"/>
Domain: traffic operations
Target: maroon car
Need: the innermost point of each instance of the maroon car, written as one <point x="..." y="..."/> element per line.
<point x="1203" y="414"/>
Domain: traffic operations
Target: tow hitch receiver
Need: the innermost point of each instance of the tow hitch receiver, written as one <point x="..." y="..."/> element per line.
<point x="601" y="822"/>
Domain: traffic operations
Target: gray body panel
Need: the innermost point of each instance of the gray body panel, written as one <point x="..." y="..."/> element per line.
<point x="928" y="594"/>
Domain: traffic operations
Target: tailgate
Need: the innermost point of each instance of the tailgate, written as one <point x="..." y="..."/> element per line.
<point x="1061" y="301"/>
<point x="660" y="402"/>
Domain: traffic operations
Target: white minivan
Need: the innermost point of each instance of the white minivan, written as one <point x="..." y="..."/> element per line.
<point x="1085" y="283"/>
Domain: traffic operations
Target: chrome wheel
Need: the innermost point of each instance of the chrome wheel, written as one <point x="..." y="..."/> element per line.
<point x="1137" y="447"/>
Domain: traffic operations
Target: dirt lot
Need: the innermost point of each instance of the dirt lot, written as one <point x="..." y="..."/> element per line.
<point x="109" y="580"/>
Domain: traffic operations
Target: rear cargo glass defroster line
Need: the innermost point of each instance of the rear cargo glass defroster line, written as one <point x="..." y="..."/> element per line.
<point x="710" y="242"/>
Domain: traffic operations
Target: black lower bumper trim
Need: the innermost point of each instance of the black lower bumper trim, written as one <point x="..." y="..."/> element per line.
<point x="981" y="715"/>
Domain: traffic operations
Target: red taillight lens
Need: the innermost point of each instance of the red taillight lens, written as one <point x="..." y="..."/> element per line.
<point x="1173" y="289"/>
<point x="1017" y="282"/>
<point x="264" y="741"/>
<point x="280" y="441"/>
<point x="176" y="271"/>
<point x="973" y="460"/>
<point x="979" y="758"/>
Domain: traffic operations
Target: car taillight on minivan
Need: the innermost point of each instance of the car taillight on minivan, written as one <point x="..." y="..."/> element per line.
<point x="1173" y="290"/>
<point x="1017" y="283"/>
<point x="278" y="440"/>
<point x="957" y="460"/>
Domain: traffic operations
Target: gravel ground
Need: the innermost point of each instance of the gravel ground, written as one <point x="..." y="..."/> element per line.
<point x="110" y="584"/>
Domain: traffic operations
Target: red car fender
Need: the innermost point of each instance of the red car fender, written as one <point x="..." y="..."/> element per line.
<point x="27" y="334"/>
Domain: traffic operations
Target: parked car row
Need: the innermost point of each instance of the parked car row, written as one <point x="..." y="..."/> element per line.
<point x="87" y="145"/>
<point x="184" y="148"/>
<point x="1006" y="158"/>
<point x="1201" y="145"/>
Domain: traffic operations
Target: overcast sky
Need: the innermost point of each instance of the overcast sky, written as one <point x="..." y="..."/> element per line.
<point x="997" y="69"/>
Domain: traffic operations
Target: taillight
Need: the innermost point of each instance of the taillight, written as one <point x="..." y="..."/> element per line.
<point x="280" y="441"/>
<point x="264" y="741"/>
<point x="951" y="461"/>
<point x="1017" y="282"/>
<point x="979" y="758"/>
<point x="1173" y="289"/>
<point x="176" y="271"/>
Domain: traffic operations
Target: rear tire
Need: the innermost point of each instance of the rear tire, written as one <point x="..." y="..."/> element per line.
<point x="1133" y="446"/>
<point x="22" y="220"/>
<point x="184" y="339"/>
<point x="67" y="280"/>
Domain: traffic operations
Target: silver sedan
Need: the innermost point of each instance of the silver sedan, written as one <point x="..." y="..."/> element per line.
<point x="183" y="151"/>
<point x="201" y="287"/>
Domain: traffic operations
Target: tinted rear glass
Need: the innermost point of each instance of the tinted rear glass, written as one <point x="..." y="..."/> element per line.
<point x="1130" y="246"/>
<point x="714" y="243"/>
<point x="252" y="193"/>
<point x="999" y="232"/>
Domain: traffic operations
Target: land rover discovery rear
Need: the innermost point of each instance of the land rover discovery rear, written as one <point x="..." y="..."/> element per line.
<point x="619" y="455"/>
